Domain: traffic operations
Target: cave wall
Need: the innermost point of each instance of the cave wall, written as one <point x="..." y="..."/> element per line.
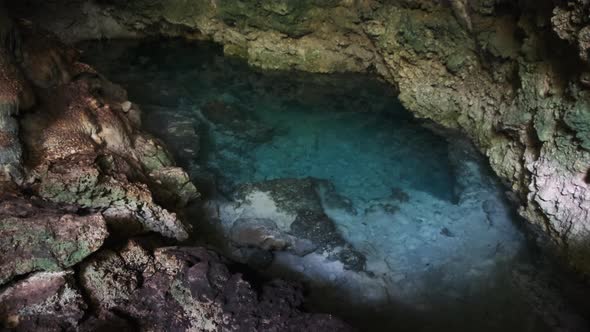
<point x="512" y="75"/>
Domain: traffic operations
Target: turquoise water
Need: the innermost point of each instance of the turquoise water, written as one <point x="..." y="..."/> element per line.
<point x="365" y="155"/>
<point x="356" y="135"/>
<point x="442" y="248"/>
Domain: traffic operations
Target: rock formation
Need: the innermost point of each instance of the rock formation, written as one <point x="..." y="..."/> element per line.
<point x="513" y="76"/>
<point x="76" y="168"/>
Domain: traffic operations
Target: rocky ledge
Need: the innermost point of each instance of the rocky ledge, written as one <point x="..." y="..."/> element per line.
<point x="513" y="76"/>
<point x="78" y="180"/>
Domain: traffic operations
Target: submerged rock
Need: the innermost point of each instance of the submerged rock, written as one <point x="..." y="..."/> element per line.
<point x="238" y="122"/>
<point x="88" y="165"/>
<point x="285" y="215"/>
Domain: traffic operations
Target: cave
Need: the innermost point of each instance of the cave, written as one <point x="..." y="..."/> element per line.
<point x="286" y="166"/>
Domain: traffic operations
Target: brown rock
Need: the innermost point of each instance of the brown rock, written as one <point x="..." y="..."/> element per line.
<point x="37" y="236"/>
<point x="45" y="301"/>
<point x="195" y="285"/>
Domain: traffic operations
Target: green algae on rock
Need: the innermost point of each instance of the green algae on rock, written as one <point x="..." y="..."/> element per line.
<point x="88" y="166"/>
<point x="37" y="236"/>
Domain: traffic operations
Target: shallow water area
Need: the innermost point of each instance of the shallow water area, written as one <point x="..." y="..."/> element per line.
<point x="327" y="179"/>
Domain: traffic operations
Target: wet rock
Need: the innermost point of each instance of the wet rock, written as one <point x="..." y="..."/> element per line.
<point x="194" y="284"/>
<point x="44" y="301"/>
<point x="38" y="236"/>
<point x="262" y="233"/>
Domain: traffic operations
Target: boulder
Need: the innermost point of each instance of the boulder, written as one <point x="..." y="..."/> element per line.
<point x="38" y="236"/>
<point x="147" y="285"/>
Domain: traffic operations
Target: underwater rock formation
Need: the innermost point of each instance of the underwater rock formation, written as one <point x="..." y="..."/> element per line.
<point x="513" y="76"/>
<point x="282" y="215"/>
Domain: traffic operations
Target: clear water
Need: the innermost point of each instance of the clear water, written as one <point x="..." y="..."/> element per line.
<point x="442" y="247"/>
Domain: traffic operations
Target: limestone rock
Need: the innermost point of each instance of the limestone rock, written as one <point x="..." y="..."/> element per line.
<point x="175" y="187"/>
<point x="15" y="93"/>
<point x="570" y="22"/>
<point x="37" y="236"/>
<point x="44" y="301"/>
<point x="84" y="149"/>
<point x="197" y="287"/>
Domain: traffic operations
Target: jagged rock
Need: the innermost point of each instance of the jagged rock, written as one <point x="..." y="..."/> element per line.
<point x="570" y="22"/>
<point x="197" y="287"/>
<point x="175" y="186"/>
<point x="80" y="181"/>
<point x="44" y="301"/>
<point x="37" y="236"/>
<point x="84" y="149"/>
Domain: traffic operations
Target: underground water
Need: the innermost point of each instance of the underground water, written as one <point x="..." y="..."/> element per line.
<point x="388" y="221"/>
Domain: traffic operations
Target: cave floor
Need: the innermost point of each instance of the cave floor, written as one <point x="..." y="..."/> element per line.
<point x="328" y="180"/>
